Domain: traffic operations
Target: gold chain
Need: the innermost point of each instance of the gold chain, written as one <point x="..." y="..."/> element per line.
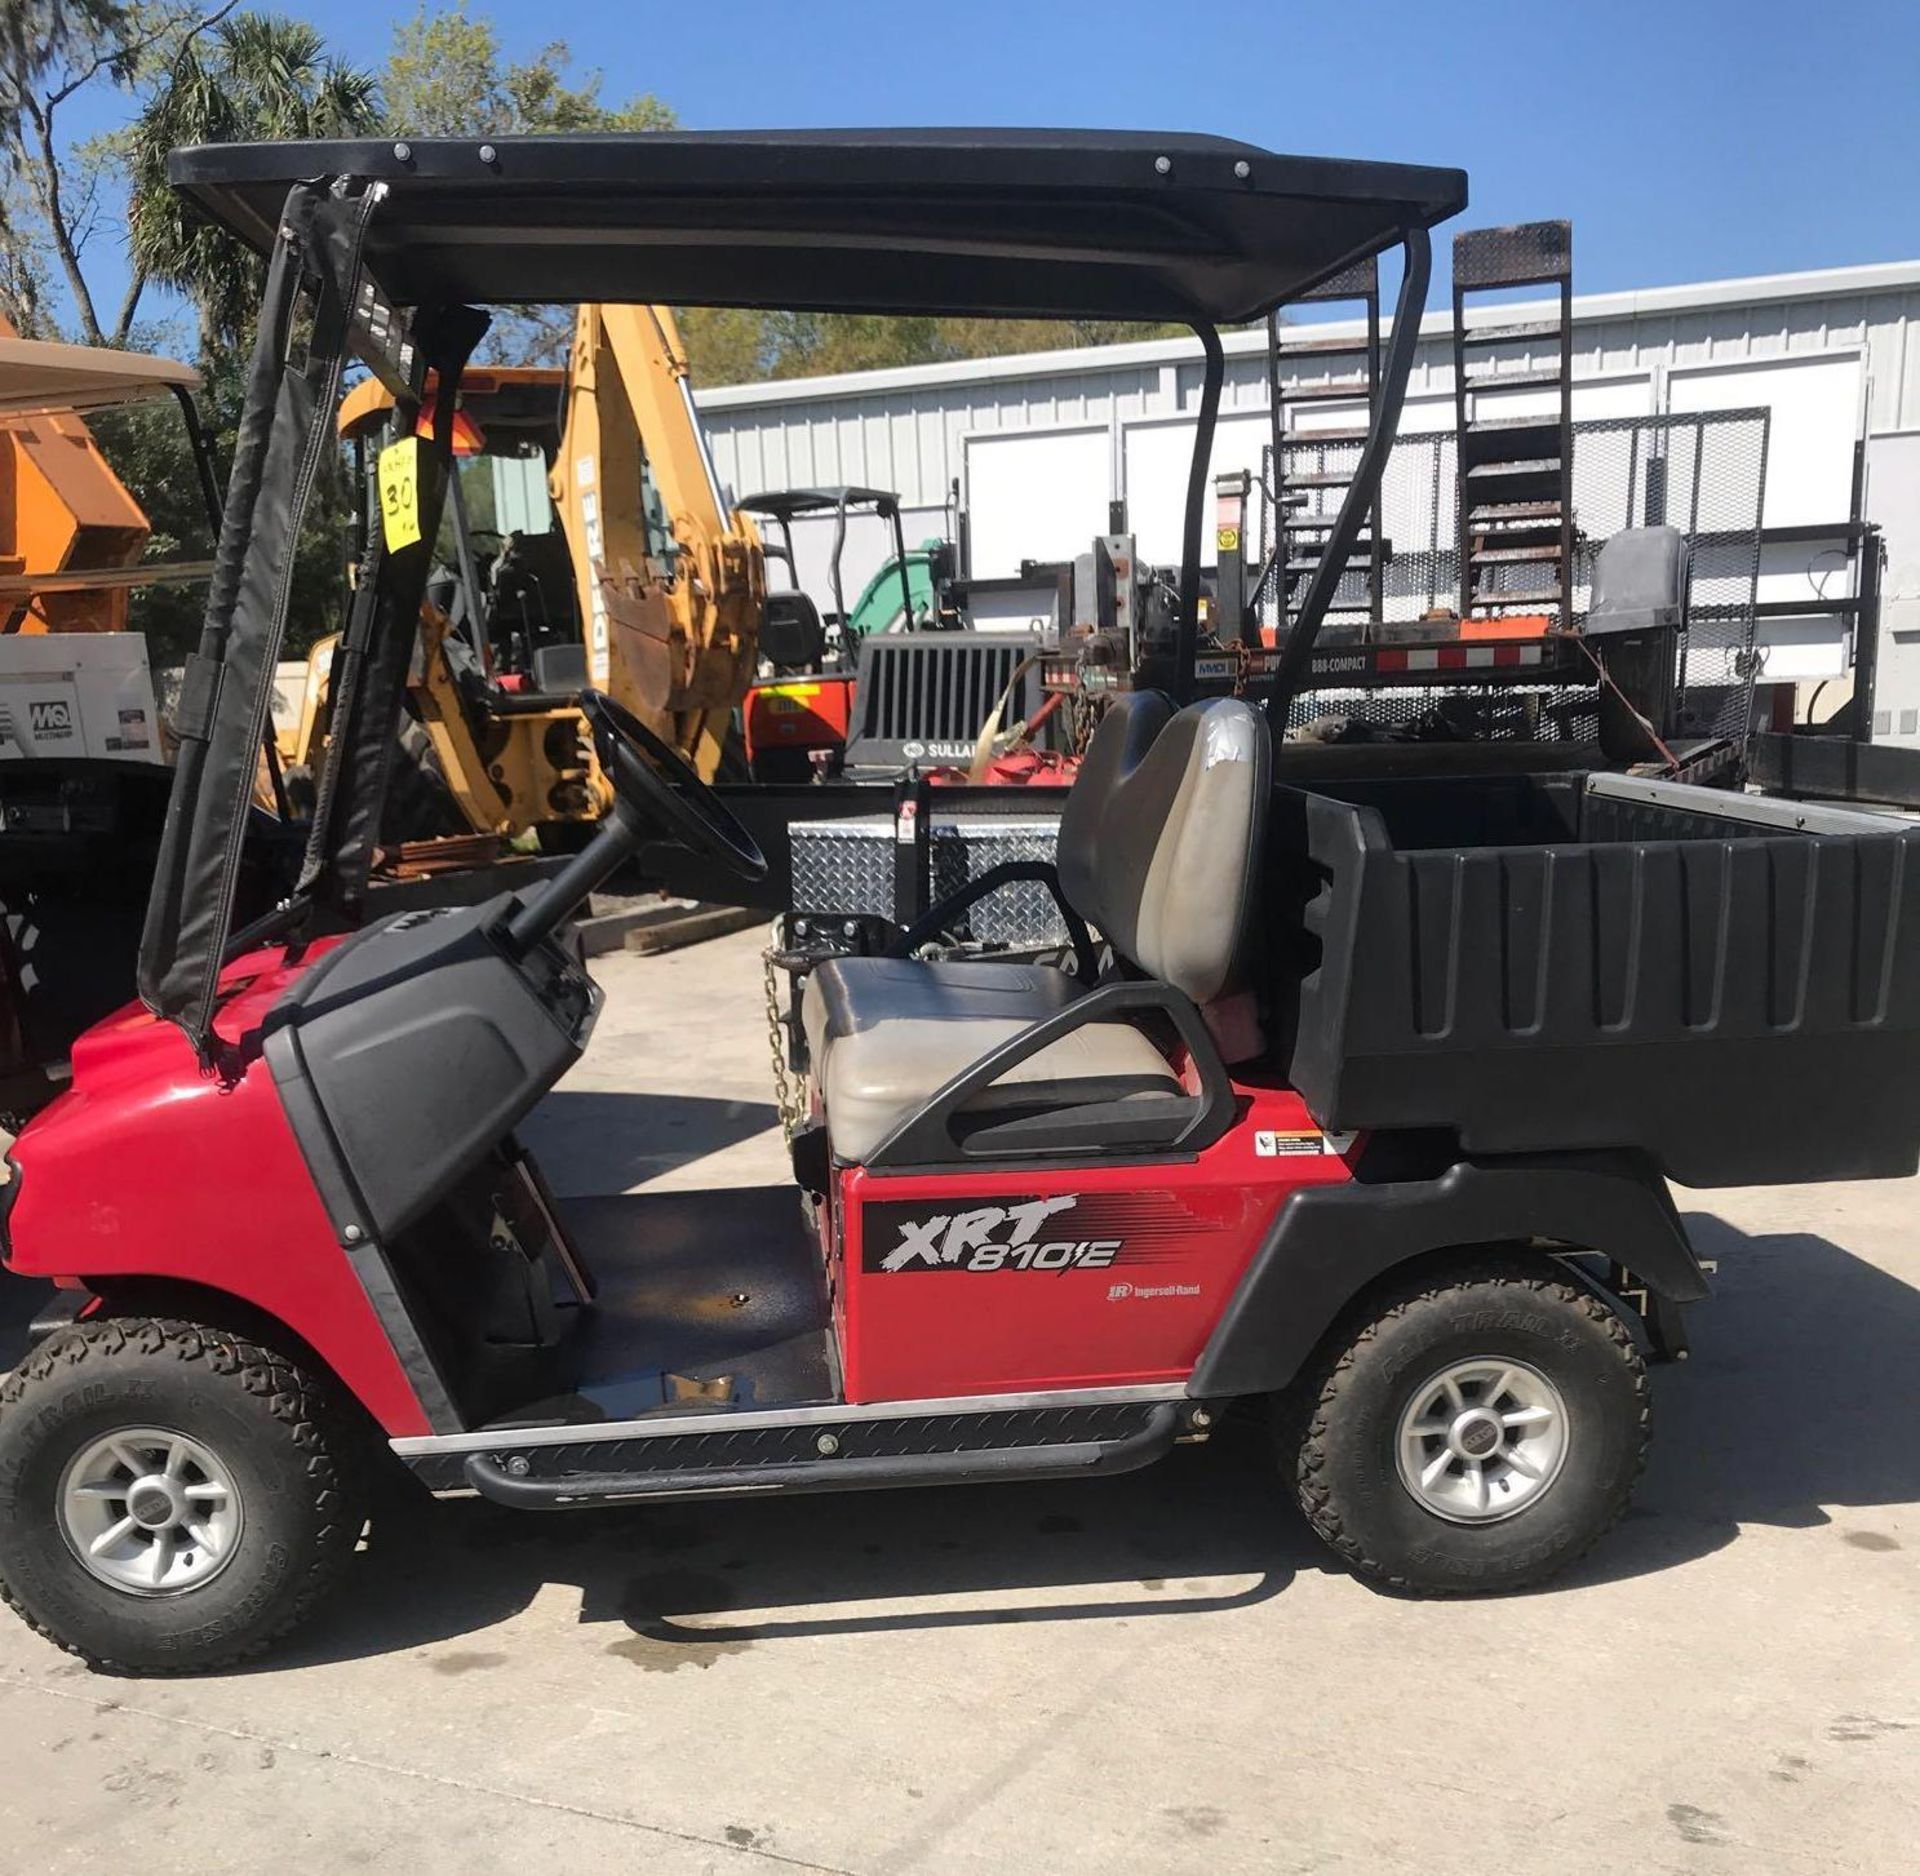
<point x="785" y="1099"/>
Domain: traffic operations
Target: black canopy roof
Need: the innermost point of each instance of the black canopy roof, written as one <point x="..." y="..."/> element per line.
<point x="1020" y="223"/>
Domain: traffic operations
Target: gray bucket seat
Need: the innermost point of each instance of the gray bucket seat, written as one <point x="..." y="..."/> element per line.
<point x="1159" y="845"/>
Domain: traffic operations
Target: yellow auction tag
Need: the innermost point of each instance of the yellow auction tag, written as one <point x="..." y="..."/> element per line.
<point x="399" y="480"/>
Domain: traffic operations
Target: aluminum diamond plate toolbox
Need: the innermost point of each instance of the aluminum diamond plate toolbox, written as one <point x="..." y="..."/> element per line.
<point x="848" y="867"/>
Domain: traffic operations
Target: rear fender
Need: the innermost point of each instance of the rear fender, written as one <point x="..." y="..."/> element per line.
<point x="1328" y="1243"/>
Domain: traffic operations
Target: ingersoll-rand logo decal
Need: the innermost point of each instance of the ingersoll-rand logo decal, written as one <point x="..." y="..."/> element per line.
<point x="1066" y="1232"/>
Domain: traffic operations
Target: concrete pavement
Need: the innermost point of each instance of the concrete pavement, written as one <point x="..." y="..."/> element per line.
<point x="1152" y="1673"/>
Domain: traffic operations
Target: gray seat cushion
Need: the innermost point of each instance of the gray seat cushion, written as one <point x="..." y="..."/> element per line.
<point x="885" y="1034"/>
<point x="849" y="994"/>
<point x="876" y="1078"/>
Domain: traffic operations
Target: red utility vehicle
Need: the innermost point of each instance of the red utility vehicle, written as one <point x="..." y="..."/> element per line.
<point x="1352" y="1108"/>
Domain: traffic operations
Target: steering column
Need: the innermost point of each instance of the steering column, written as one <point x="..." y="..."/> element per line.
<point x="655" y="789"/>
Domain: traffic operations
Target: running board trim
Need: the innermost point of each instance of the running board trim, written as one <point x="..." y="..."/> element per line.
<point x="1072" y="1459"/>
<point x="725" y="1419"/>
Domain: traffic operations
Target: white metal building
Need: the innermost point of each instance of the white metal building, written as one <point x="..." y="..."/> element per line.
<point x="1036" y="447"/>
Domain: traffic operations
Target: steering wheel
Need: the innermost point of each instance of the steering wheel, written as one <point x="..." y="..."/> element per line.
<point x="654" y="779"/>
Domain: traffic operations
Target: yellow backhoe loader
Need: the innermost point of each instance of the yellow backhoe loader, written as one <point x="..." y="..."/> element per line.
<point x="587" y="541"/>
<point x="673" y="580"/>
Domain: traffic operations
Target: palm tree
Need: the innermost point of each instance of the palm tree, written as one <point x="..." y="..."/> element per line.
<point x="250" y="78"/>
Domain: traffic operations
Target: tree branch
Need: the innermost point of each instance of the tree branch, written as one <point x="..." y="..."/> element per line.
<point x="145" y="42"/>
<point x="206" y="23"/>
<point x="81" y="218"/>
<point x="123" y="325"/>
<point x="46" y="183"/>
<point x="44" y="168"/>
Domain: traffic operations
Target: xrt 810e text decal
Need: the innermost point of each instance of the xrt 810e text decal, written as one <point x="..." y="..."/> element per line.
<point x="1072" y="1231"/>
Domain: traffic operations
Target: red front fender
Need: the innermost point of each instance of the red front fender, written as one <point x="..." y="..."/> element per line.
<point x="152" y="1167"/>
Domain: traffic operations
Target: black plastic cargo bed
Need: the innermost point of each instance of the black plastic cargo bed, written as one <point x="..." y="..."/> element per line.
<point x="1729" y="983"/>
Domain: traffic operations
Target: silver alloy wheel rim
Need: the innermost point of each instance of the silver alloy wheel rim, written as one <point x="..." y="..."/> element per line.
<point x="1482" y="1440"/>
<point x="151" y="1511"/>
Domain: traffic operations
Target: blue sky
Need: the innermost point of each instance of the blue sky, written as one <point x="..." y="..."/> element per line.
<point x="1687" y="141"/>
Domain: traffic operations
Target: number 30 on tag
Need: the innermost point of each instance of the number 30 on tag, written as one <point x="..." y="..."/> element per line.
<point x="399" y="480"/>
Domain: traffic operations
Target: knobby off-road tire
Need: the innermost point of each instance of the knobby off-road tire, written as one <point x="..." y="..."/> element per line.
<point x="420" y="804"/>
<point x="244" y="1433"/>
<point x="1380" y="1439"/>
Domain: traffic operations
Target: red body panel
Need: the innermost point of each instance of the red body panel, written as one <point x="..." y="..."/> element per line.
<point x="797" y="713"/>
<point x="945" y="1283"/>
<point x="1002" y="1282"/>
<point x="150" y="1166"/>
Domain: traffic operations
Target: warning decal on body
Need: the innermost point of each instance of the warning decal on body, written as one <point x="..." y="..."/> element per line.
<point x="1270" y="1143"/>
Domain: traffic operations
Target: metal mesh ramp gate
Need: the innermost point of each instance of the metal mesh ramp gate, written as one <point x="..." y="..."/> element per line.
<point x="1701" y="472"/>
<point x="1704" y="473"/>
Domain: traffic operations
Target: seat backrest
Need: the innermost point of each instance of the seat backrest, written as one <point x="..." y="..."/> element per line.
<point x="792" y="636"/>
<point x="1160" y="838"/>
<point x="533" y="589"/>
<point x="1640" y="578"/>
<point x="560" y="670"/>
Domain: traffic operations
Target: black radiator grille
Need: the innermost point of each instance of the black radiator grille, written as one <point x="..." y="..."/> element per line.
<point x="932" y="687"/>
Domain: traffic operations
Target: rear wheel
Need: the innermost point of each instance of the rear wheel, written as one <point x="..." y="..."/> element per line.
<point x="1476" y="1434"/>
<point x="173" y="1498"/>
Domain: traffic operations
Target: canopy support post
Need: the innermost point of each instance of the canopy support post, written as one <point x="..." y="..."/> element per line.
<point x="1187" y="638"/>
<point x="839" y="544"/>
<point x="202" y="447"/>
<point x="366" y="724"/>
<point x="900" y="561"/>
<point x="223" y="717"/>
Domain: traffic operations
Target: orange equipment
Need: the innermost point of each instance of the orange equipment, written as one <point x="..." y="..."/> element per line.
<point x="71" y="535"/>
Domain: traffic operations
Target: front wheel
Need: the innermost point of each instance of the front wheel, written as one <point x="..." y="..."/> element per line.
<point x="173" y="1498"/>
<point x="1477" y="1433"/>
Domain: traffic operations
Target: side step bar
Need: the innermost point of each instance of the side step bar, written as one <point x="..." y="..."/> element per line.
<point x="829" y="1473"/>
